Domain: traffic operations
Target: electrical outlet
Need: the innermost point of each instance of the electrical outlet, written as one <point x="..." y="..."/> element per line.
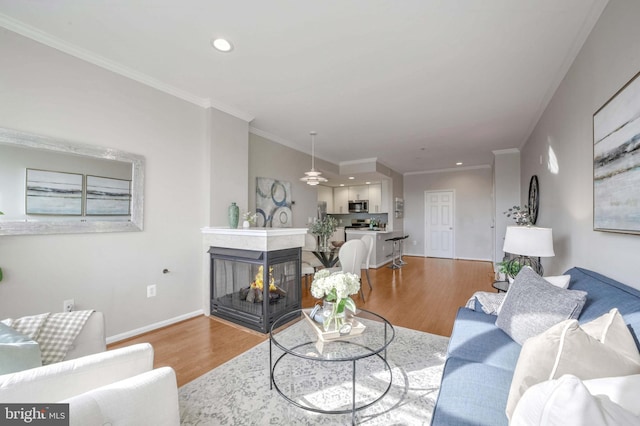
<point x="67" y="305"/>
<point x="151" y="290"/>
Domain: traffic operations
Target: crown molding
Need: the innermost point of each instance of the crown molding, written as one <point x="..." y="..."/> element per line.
<point x="449" y="170"/>
<point x="276" y="139"/>
<point x="242" y="115"/>
<point x="42" y="37"/>
<point x="361" y="161"/>
<point x="506" y="151"/>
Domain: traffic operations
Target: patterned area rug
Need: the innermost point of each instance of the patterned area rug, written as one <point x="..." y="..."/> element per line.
<point x="237" y="392"/>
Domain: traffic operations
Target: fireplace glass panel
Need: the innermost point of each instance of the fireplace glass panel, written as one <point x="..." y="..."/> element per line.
<point x="254" y="288"/>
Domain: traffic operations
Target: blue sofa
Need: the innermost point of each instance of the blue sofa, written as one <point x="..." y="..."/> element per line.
<point x="481" y="358"/>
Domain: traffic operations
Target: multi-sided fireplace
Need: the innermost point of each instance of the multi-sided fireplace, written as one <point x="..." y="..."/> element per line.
<point x="254" y="288"/>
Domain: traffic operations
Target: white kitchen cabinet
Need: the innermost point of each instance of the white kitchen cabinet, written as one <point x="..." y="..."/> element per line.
<point x="359" y="192"/>
<point x="341" y="200"/>
<point x="375" y="198"/>
<point x="325" y="193"/>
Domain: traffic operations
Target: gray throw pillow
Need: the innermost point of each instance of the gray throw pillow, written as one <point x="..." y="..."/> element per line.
<point x="532" y="306"/>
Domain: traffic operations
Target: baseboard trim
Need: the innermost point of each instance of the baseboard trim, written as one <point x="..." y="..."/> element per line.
<point x="475" y="259"/>
<point x="154" y="326"/>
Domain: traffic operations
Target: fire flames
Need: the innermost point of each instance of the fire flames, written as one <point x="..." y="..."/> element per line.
<point x="258" y="282"/>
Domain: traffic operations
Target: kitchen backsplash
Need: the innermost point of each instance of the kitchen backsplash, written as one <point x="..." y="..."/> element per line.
<point x="345" y="219"/>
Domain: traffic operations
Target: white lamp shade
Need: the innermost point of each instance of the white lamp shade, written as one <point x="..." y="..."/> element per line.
<point x="529" y="241"/>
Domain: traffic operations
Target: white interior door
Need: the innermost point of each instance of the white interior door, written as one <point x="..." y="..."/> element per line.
<point x="439" y="230"/>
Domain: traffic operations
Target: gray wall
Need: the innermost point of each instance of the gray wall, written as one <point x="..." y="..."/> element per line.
<point x="272" y="160"/>
<point x="506" y="193"/>
<point x="473" y="210"/>
<point x="229" y="164"/>
<point x="608" y="60"/>
<point x="48" y="92"/>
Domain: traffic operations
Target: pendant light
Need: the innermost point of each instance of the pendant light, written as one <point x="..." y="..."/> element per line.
<point x="313" y="177"/>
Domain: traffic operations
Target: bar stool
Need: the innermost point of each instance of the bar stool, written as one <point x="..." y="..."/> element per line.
<point x="394" y="252"/>
<point x="401" y="249"/>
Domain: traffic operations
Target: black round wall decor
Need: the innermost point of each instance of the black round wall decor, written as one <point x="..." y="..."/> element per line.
<point x="534" y="199"/>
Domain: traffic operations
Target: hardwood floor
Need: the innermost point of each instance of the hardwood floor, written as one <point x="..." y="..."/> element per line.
<point x="424" y="295"/>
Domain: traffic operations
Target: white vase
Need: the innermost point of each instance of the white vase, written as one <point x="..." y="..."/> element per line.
<point x="246" y="224"/>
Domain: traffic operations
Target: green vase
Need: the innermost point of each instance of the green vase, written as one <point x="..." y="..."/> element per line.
<point x="234" y="215"/>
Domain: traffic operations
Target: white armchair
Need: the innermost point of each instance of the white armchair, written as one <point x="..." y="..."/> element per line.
<point x="117" y="387"/>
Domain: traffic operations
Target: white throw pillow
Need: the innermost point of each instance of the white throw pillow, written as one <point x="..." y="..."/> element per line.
<point x="611" y="330"/>
<point x="568" y="402"/>
<point x="566" y="348"/>
<point x="561" y="281"/>
<point x="623" y="390"/>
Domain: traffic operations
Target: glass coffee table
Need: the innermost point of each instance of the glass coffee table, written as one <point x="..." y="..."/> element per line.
<point x="310" y="369"/>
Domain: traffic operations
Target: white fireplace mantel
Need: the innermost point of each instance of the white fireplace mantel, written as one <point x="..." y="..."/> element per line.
<point x="259" y="239"/>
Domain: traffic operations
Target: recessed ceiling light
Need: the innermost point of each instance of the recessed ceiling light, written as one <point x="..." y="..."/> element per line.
<point x="222" y="45"/>
<point x="351" y="178"/>
<point x="368" y="183"/>
<point x="458" y="163"/>
<point x="342" y="184"/>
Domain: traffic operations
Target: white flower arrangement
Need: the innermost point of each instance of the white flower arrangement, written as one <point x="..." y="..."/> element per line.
<point x="336" y="287"/>
<point x="249" y="217"/>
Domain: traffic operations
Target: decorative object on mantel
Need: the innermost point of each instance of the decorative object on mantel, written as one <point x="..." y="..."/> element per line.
<point x="273" y="203"/>
<point x="324" y="228"/>
<point x="234" y="215"/>
<point x="313" y="177"/>
<point x="248" y="219"/>
<point x="528" y="244"/>
<point x="335" y="289"/>
<point x="520" y="215"/>
<point x="616" y="160"/>
<point x="534" y="200"/>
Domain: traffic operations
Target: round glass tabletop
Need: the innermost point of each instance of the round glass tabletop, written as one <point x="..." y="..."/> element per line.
<point x="370" y="334"/>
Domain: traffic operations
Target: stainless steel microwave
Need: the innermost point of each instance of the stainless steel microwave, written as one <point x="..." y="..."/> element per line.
<point x="358" y="206"/>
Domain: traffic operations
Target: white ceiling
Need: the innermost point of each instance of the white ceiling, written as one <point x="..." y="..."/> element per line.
<point x="418" y="84"/>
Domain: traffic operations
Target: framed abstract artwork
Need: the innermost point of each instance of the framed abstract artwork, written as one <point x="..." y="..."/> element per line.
<point x="273" y="203"/>
<point x="108" y="196"/>
<point x="616" y="162"/>
<point x="53" y="193"/>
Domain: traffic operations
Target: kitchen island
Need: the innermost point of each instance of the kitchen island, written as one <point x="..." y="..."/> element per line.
<point x="381" y="253"/>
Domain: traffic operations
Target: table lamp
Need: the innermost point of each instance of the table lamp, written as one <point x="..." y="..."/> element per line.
<point x="528" y="244"/>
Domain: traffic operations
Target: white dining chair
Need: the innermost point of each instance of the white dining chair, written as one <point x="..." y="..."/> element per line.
<point x="368" y="242"/>
<point x="310" y="263"/>
<point x="352" y="254"/>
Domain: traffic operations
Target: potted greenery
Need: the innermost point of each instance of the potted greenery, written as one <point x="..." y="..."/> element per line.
<point x="324" y="228"/>
<point x="508" y="269"/>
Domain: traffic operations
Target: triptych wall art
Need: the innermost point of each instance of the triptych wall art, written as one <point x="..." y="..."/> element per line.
<point x="616" y="162"/>
<point x="71" y="194"/>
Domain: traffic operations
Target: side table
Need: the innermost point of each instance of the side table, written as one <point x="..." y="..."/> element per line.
<point x="501" y="286"/>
